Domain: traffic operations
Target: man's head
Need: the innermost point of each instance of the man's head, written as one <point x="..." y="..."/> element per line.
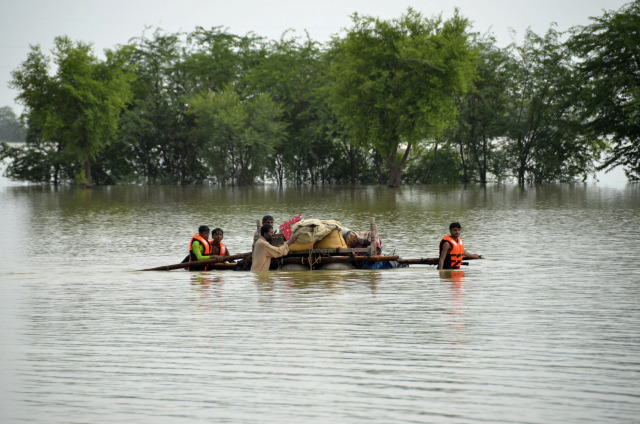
<point x="454" y="229"/>
<point x="217" y="235"/>
<point x="266" y="231"/>
<point x="267" y="220"/>
<point x="204" y="232"/>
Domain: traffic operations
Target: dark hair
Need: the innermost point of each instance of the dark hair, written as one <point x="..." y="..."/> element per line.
<point x="455" y="225"/>
<point x="265" y="229"/>
<point x="267" y="218"/>
<point x="203" y="228"/>
<point x="216" y="231"/>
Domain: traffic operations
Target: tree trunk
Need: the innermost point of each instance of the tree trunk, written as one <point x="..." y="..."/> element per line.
<point x="352" y="165"/>
<point x="433" y="161"/>
<point x="521" y="172"/>
<point x="279" y="169"/>
<point x="483" y="167"/>
<point x="395" y="169"/>
<point x="87" y="173"/>
<point x="465" y="172"/>
<point x="56" y="167"/>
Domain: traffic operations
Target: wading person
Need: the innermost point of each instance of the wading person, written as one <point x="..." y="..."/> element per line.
<point x="266" y="220"/>
<point x="199" y="248"/>
<point x="452" y="249"/>
<point x="263" y="251"/>
<point x="217" y="246"/>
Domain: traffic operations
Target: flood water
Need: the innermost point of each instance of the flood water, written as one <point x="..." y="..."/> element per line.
<point x="545" y="329"/>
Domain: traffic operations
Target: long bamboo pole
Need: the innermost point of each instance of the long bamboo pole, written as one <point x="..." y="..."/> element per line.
<point x="214" y="260"/>
<point x="424" y="261"/>
<point x="219" y="262"/>
<point x="331" y="259"/>
<point x="427" y="261"/>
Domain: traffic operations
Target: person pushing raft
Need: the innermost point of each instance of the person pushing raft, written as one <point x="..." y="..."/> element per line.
<point x="452" y="249"/>
<point x="263" y="251"/>
<point x="199" y="248"/>
<point x="218" y="248"/>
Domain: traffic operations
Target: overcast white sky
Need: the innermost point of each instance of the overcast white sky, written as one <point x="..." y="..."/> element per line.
<point x="111" y="22"/>
<point x="108" y="23"/>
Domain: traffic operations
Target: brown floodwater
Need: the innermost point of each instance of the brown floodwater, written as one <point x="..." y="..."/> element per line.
<point x="544" y="329"/>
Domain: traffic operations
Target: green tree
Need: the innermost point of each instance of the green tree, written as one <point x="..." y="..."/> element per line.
<point x="42" y="160"/>
<point x="214" y="58"/>
<point x="171" y="70"/>
<point x="154" y="125"/>
<point x="609" y="68"/>
<point x="236" y="137"/>
<point x="393" y="82"/>
<point x="546" y="138"/>
<point x="482" y="110"/>
<point x="78" y="108"/>
<point x="440" y="165"/>
<point x="291" y="73"/>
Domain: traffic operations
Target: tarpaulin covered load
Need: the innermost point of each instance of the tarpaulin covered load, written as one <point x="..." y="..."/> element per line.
<point x="317" y="234"/>
<point x="313" y="230"/>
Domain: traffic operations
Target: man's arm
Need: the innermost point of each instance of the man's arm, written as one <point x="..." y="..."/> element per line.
<point x="471" y="255"/>
<point x="446" y="248"/>
<point x="277" y="252"/>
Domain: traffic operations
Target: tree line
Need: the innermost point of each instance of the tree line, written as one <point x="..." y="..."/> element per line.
<point x="401" y="101"/>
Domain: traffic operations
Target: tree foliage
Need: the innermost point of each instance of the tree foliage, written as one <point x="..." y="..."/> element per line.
<point x="76" y="110"/>
<point x="609" y="69"/>
<point x="292" y="74"/>
<point x="546" y="139"/>
<point x="393" y="82"/>
<point x="410" y="100"/>
<point x="237" y="137"/>
<point x="482" y="111"/>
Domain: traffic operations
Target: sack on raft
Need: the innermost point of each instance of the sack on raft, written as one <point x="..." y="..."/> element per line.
<point x="333" y="241"/>
<point x="314" y="230"/>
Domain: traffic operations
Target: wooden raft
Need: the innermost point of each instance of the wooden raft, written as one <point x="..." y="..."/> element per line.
<point x="311" y="257"/>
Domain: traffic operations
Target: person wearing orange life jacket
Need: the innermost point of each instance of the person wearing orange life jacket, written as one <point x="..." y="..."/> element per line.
<point x="452" y="249"/>
<point x="199" y="248"/>
<point x="217" y="246"/>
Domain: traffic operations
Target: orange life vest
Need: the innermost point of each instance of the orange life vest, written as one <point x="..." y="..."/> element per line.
<point x="454" y="257"/>
<point x="193" y="257"/>
<point x="223" y="249"/>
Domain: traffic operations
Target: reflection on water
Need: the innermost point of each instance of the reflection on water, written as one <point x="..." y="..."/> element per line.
<point x="307" y="281"/>
<point x="542" y="330"/>
<point x="454" y="278"/>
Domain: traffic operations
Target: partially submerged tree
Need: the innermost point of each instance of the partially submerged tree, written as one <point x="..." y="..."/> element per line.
<point x="482" y="111"/>
<point x="77" y="109"/>
<point x="236" y="137"/>
<point x="153" y="125"/>
<point x="290" y="74"/>
<point x="393" y="83"/>
<point x="546" y="136"/>
<point x="609" y="70"/>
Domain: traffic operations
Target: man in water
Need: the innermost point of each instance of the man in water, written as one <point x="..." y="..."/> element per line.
<point x="263" y="251"/>
<point x="199" y="248"/>
<point x="217" y="246"/>
<point x="452" y="250"/>
<point x="266" y="220"/>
